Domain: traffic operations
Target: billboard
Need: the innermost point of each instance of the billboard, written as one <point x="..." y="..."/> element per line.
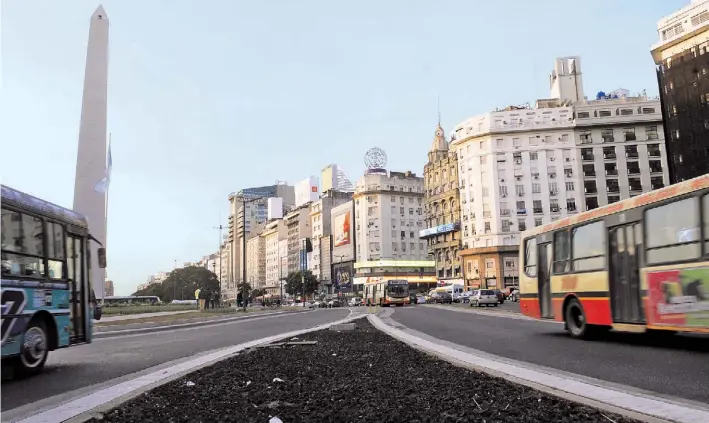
<point x="341" y="229"/>
<point x="306" y="191"/>
<point x="679" y="297"/>
<point x="343" y="277"/>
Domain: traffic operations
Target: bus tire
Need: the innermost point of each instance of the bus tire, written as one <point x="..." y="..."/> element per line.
<point x="34" y="349"/>
<point x="575" y="320"/>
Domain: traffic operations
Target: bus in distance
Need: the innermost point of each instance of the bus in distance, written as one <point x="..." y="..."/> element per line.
<point x="47" y="299"/>
<point x="386" y="292"/>
<point x="638" y="265"/>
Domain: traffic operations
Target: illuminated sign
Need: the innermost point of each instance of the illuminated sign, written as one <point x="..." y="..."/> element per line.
<point x="440" y="229"/>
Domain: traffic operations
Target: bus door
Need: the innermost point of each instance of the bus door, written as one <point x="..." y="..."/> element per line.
<point x="624" y="274"/>
<point x="77" y="275"/>
<point x="544" y="280"/>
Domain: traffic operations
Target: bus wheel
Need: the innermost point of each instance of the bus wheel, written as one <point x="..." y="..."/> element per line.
<point x="35" y="348"/>
<point x="575" y="320"/>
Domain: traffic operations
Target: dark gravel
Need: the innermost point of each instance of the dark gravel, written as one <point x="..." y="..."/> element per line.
<point x="363" y="376"/>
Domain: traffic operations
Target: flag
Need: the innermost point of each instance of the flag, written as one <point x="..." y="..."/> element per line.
<point x="102" y="185"/>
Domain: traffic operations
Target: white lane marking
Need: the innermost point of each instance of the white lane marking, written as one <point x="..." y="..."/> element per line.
<point x="503" y="314"/>
<point x="102" y="335"/>
<point x="89" y="402"/>
<point x="674" y="411"/>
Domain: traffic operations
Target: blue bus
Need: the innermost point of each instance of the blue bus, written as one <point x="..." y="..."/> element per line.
<point x="47" y="299"/>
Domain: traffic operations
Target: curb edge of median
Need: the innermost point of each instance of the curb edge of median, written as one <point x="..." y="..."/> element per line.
<point x="397" y="332"/>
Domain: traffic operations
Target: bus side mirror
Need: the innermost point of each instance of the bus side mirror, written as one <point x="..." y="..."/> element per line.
<point x="102" y="257"/>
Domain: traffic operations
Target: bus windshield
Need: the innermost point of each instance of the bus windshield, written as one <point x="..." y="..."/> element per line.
<point x="398" y="290"/>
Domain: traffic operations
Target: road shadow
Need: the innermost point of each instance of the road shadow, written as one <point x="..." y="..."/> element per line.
<point x="684" y="342"/>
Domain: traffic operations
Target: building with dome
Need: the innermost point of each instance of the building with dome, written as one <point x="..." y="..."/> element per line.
<point x="442" y="209"/>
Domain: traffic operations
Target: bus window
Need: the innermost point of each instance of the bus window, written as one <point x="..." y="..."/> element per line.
<point x="530" y="257"/>
<point x="588" y="250"/>
<point x="22" y="245"/>
<point x="705" y="207"/>
<point x="561" y="252"/>
<point x="670" y="239"/>
<point x="55" y="244"/>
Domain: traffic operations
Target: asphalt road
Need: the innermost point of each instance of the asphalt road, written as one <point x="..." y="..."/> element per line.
<point x="678" y="368"/>
<point x="107" y="359"/>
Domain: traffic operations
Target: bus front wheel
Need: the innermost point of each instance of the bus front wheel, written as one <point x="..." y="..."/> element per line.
<point x="34" y="349"/>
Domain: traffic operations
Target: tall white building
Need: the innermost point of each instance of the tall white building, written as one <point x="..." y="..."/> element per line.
<point x="524" y="167"/>
<point x="320" y="217"/>
<point x="256" y="262"/>
<point x="275" y="234"/>
<point x="388" y="217"/>
<point x="621" y="148"/>
<point x="513" y="171"/>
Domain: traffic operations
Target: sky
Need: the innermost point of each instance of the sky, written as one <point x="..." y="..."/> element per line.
<point x="207" y="97"/>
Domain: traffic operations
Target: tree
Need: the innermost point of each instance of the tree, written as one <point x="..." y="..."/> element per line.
<point x="295" y="285"/>
<point x="182" y="283"/>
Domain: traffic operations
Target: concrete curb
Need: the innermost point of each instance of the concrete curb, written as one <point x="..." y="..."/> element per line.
<point x="624" y="402"/>
<point x="216" y="321"/>
<point x="84" y="408"/>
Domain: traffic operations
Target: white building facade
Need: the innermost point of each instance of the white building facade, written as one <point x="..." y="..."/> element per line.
<point x="621" y="148"/>
<point x="273" y="236"/>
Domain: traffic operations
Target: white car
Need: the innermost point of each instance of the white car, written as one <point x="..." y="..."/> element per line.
<point x="483" y="297"/>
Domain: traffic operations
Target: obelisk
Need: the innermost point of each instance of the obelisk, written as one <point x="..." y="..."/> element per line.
<point x="91" y="168"/>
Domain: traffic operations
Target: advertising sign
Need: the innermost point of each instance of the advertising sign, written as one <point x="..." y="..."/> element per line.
<point x="342" y="229"/>
<point x="343" y="275"/>
<point x="679" y="297"/>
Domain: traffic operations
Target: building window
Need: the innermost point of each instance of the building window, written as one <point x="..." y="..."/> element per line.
<point x="571" y="204"/>
<point x="651" y="132"/>
<point x="537" y="221"/>
<point x="522" y="225"/>
<point x="536" y="188"/>
<point x="533" y="156"/>
<point x="505" y="226"/>
<point x="677" y="240"/>
<point x="629" y="134"/>
<point x="583" y="115"/>
<point x="604" y="113"/>
<point x="487" y="227"/>
<point x="607" y="135"/>
<point x="590" y="187"/>
<point x="585" y="136"/>
<point x="519" y="190"/>
<point x="537" y="206"/>
<point x="569" y="186"/>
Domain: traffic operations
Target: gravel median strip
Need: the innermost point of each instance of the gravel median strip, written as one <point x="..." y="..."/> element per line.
<point x="361" y="375"/>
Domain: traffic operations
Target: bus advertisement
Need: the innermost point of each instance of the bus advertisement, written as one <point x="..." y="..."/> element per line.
<point x="47" y="299"/>
<point x="639" y="265"/>
<point x="386" y="293"/>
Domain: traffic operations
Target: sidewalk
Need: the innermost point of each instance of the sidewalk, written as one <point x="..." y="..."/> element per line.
<point x="141" y="315"/>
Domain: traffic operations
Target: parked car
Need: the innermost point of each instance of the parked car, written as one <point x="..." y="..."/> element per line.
<point x="334" y="303"/>
<point x="514" y="295"/>
<point x="355" y="302"/>
<point x="486" y="297"/>
<point x="500" y="296"/>
<point x="443" y="298"/>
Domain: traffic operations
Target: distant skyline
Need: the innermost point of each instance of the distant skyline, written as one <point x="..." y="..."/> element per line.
<point x="207" y="99"/>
